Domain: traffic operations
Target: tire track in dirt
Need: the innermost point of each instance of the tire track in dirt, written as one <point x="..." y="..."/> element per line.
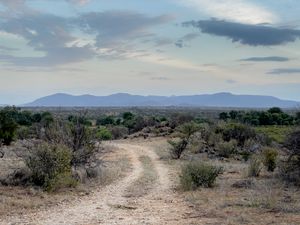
<point x="110" y="205"/>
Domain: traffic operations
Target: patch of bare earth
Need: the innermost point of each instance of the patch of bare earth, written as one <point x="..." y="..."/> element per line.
<point x="144" y="196"/>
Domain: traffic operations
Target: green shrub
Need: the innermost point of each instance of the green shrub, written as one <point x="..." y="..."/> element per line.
<point x="255" y="166"/>
<point x="104" y="134"/>
<point x="50" y="166"/>
<point x="213" y="139"/>
<point x="8" y="125"/>
<point x="62" y="180"/>
<point x="245" y="155"/>
<point x="274" y="133"/>
<point x="237" y="131"/>
<point x="226" y="149"/>
<point x="24" y="132"/>
<point x="198" y="174"/>
<point x="104" y="121"/>
<point x="270" y="158"/>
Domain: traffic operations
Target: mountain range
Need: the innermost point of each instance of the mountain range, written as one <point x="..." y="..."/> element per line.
<point x="124" y="99"/>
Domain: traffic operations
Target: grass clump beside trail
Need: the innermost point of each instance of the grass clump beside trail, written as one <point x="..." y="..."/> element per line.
<point x="270" y="158"/>
<point x="198" y="174"/>
<point x="145" y="182"/>
<point x="255" y="166"/>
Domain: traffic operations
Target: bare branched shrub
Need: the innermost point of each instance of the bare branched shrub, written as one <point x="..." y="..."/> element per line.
<point x="118" y="132"/>
<point x="185" y="133"/>
<point x="290" y="169"/>
<point x="177" y="148"/>
<point x="79" y="138"/>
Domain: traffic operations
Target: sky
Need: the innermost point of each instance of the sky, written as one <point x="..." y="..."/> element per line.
<point x="148" y="47"/>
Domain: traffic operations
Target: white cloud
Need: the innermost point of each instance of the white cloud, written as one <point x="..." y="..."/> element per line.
<point x="241" y="11"/>
<point x="79" y="2"/>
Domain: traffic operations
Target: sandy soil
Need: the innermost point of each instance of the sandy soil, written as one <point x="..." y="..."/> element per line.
<point x="111" y="205"/>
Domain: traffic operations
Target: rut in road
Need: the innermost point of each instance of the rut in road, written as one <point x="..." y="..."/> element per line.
<point x="110" y="205"/>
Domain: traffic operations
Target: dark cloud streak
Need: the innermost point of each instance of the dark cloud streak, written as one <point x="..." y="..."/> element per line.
<point x="281" y="71"/>
<point x="253" y="35"/>
<point x="266" y="59"/>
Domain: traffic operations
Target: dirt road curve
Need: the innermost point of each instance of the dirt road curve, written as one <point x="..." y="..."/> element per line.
<point x="110" y="205"/>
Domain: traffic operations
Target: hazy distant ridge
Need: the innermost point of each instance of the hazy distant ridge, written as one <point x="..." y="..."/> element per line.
<point x="121" y="99"/>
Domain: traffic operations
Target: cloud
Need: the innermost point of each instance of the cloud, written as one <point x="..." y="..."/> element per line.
<point x="267" y="59"/>
<point x="242" y="11"/>
<point x="79" y="2"/>
<point x="8" y="49"/>
<point x="179" y="44"/>
<point x="47" y="34"/>
<point x="160" y="78"/>
<point x="61" y="40"/>
<point x="230" y="81"/>
<point x="13" y="4"/>
<point x="190" y="36"/>
<point x="184" y="41"/>
<point x="253" y="35"/>
<point x="285" y="71"/>
<point x="162" y="42"/>
<point x="55" y="57"/>
<point x="117" y="27"/>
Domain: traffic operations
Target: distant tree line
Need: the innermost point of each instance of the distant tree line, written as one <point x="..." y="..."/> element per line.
<point x="11" y="118"/>
<point x="273" y="116"/>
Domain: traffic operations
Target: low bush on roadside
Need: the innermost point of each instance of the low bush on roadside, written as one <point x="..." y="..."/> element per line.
<point x="104" y="134"/>
<point x="118" y="132"/>
<point x="198" y="174"/>
<point x="227" y="149"/>
<point x="50" y="166"/>
<point x="270" y="158"/>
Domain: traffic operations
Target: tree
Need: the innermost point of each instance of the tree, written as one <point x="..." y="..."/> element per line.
<point x="8" y="125"/>
<point x="275" y="110"/>
<point x="104" y="134"/>
<point x="107" y="120"/>
<point x="233" y="114"/>
<point x="298" y="115"/>
<point x="127" y="116"/>
<point x="223" y="116"/>
<point x="185" y="133"/>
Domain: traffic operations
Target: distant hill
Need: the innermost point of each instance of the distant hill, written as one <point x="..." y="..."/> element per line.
<point x="205" y="100"/>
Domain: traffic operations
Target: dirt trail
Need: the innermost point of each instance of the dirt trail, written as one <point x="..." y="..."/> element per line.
<point x="110" y="205"/>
